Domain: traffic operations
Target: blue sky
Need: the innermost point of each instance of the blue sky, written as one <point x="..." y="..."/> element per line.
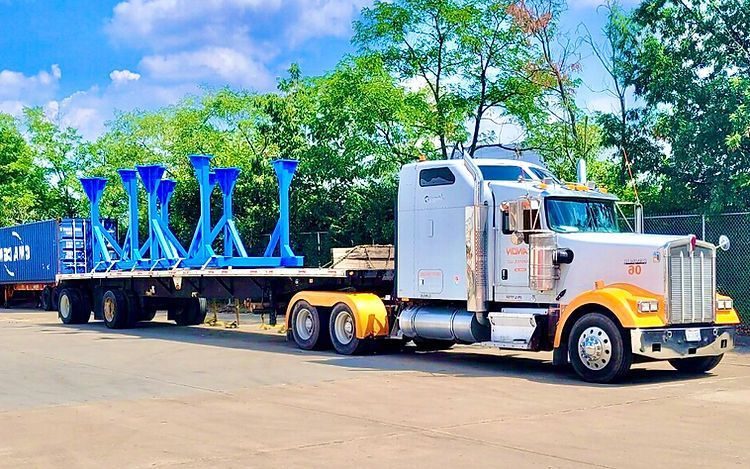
<point x="84" y="59"/>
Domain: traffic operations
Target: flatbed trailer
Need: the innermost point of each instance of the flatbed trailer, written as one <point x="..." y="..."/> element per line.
<point x="169" y="290"/>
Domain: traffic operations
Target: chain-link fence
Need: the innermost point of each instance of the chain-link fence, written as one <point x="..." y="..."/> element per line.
<point x="732" y="266"/>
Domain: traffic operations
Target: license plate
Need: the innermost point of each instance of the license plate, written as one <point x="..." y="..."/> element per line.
<point x="693" y="335"/>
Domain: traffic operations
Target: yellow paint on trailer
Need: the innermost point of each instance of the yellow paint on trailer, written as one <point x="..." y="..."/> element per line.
<point x="370" y="315"/>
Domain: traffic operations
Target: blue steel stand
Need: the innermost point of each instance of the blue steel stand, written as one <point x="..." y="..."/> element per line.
<point x="227" y="179"/>
<point x="162" y="249"/>
<point x="200" y="251"/>
<point x="94" y="189"/>
<point x="284" y="172"/>
<point x="131" y="248"/>
<point x="161" y="245"/>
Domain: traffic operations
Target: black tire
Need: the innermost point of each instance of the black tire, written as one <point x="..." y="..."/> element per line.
<point x="192" y="313"/>
<point x="696" y="365"/>
<point x="342" y="328"/>
<point x="73" y="307"/>
<point x="147" y="314"/>
<point x="115" y="310"/>
<point x="611" y="356"/>
<point x="45" y="299"/>
<point x="432" y="345"/>
<point x="309" y="327"/>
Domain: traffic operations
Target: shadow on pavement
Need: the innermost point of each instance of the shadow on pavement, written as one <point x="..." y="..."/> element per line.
<point x="461" y="361"/>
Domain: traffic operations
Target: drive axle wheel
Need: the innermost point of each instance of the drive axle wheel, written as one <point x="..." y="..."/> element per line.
<point x="308" y="327"/>
<point x="598" y="351"/>
<point x="343" y="331"/>
<point x="115" y="309"/>
<point x="695" y="365"/>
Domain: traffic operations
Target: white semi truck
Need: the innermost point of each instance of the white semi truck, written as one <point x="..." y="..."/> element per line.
<point x="491" y="252"/>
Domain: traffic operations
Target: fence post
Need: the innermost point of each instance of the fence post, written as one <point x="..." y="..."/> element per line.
<point x="703" y="227"/>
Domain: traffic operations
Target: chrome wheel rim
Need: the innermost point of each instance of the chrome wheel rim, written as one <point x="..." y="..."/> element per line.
<point x="304" y="325"/>
<point x="594" y="348"/>
<point x="65" y="306"/>
<point x="343" y="327"/>
<point x="108" y="309"/>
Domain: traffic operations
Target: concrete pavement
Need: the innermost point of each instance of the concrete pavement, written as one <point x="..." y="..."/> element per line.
<point x="164" y="396"/>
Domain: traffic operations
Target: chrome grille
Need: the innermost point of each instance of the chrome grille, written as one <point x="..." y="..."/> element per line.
<point x="691" y="284"/>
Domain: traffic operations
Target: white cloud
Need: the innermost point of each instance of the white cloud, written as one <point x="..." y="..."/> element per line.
<point x="123" y="76"/>
<point x="317" y="18"/>
<point x="184" y="44"/>
<point x="209" y="64"/>
<point x="18" y="90"/>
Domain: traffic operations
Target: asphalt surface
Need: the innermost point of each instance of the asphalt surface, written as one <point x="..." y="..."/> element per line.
<point x="164" y="396"/>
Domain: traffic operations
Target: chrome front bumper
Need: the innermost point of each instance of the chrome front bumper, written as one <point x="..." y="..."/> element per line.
<point x="682" y="342"/>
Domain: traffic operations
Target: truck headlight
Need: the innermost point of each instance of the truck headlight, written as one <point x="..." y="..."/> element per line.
<point x="724" y="304"/>
<point x="648" y="306"/>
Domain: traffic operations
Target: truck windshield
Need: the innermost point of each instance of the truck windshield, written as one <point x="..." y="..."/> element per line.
<point x="574" y="215"/>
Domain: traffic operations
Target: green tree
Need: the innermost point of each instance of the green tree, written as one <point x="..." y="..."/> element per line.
<point x="468" y="55"/>
<point x="63" y="156"/>
<point x="691" y="67"/>
<point x="561" y="132"/>
<point x="22" y="184"/>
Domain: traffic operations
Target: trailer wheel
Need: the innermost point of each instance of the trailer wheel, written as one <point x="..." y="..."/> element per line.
<point x="115" y="309"/>
<point x="343" y="331"/>
<point x="599" y="352"/>
<point x="695" y="365"/>
<point x="45" y="299"/>
<point x="72" y="307"/>
<point x="308" y="327"/>
<point x="192" y="313"/>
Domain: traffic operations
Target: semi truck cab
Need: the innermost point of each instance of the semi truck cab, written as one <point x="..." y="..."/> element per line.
<point x="500" y="252"/>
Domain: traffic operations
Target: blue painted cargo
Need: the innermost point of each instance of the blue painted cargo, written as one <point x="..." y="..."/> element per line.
<point x="37" y="252"/>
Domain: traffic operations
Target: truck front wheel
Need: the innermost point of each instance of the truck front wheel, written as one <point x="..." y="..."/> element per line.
<point x="309" y="327"/>
<point x="695" y="365"/>
<point x="598" y="350"/>
<point x="343" y="330"/>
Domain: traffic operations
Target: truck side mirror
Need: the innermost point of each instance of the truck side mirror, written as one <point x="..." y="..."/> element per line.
<point x="724" y="243"/>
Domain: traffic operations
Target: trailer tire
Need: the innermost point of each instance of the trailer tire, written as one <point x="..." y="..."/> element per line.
<point x="309" y="327"/>
<point x="432" y="345"/>
<point x="599" y="351"/>
<point x="72" y="307"/>
<point x="342" y="328"/>
<point x="45" y="299"/>
<point x="192" y="313"/>
<point x="696" y="365"/>
<point x="115" y="309"/>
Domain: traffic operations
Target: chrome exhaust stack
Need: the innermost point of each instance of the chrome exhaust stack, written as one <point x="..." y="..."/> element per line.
<point x="476" y="246"/>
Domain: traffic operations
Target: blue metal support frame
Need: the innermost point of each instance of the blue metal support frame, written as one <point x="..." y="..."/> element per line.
<point x="162" y="246"/>
<point x="94" y="189"/>
<point x="200" y="251"/>
<point x="284" y="172"/>
<point x="131" y="247"/>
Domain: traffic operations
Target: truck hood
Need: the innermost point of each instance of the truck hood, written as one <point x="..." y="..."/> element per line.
<point x="636" y="259"/>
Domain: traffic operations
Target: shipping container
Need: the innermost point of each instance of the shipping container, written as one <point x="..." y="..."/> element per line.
<point x="37" y="252"/>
